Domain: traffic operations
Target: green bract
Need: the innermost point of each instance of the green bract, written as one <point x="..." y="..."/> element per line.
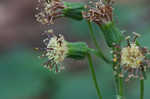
<point x="77" y="50"/>
<point x="111" y="33"/>
<point x="73" y="10"/>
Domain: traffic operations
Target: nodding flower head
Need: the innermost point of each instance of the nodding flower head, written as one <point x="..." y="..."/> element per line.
<point x="49" y="10"/>
<point x="133" y="60"/>
<point x="99" y="12"/>
<point x="56" y="50"/>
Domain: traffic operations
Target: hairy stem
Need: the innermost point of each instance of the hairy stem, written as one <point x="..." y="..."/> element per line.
<point x="96" y="44"/>
<point x="94" y="76"/>
<point x="141" y="89"/>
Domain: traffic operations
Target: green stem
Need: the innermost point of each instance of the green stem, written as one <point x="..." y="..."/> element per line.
<point x="141" y="89"/>
<point x="94" y="76"/>
<point x="96" y="44"/>
<point x="116" y="79"/>
<point x="117" y="84"/>
<point x="121" y="88"/>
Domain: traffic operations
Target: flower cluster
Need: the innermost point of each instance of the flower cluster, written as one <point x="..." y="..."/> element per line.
<point x="133" y="61"/>
<point x="129" y="62"/>
<point x="99" y="12"/>
<point x="49" y="11"/>
<point x="56" y="50"/>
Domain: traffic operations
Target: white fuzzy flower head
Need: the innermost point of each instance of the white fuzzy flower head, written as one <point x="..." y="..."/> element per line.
<point x="131" y="56"/>
<point x="56" y="51"/>
<point x="57" y="48"/>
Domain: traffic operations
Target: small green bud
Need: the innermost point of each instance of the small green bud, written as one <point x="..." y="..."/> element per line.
<point x="77" y="50"/>
<point x="73" y="10"/>
<point x="111" y="33"/>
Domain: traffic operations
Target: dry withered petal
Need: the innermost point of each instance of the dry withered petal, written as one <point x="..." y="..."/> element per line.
<point x="99" y="12"/>
<point x="49" y="11"/>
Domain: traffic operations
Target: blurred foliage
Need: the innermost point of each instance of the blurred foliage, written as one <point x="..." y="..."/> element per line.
<point x="21" y="75"/>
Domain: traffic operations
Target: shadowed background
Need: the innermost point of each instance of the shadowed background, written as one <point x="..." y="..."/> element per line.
<point x="23" y="77"/>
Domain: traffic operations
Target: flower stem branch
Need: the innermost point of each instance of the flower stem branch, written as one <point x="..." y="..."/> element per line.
<point x="94" y="75"/>
<point x="96" y="44"/>
<point x="141" y="89"/>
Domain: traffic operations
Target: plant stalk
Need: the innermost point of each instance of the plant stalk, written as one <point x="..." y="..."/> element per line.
<point x="141" y="89"/>
<point x="94" y="76"/>
<point x="121" y="88"/>
<point x="96" y="44"/>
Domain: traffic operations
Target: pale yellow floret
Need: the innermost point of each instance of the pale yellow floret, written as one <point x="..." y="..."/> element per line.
<point x="59" y="49"/>
<point x="114" y="59"/>
<point x="132" y="56"/>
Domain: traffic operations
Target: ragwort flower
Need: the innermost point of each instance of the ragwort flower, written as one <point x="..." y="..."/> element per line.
<point x="49" y="10"/>
<point x="57" y="49"/>
<point x="101" y="13"/>
<point x="133" y="60"/>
